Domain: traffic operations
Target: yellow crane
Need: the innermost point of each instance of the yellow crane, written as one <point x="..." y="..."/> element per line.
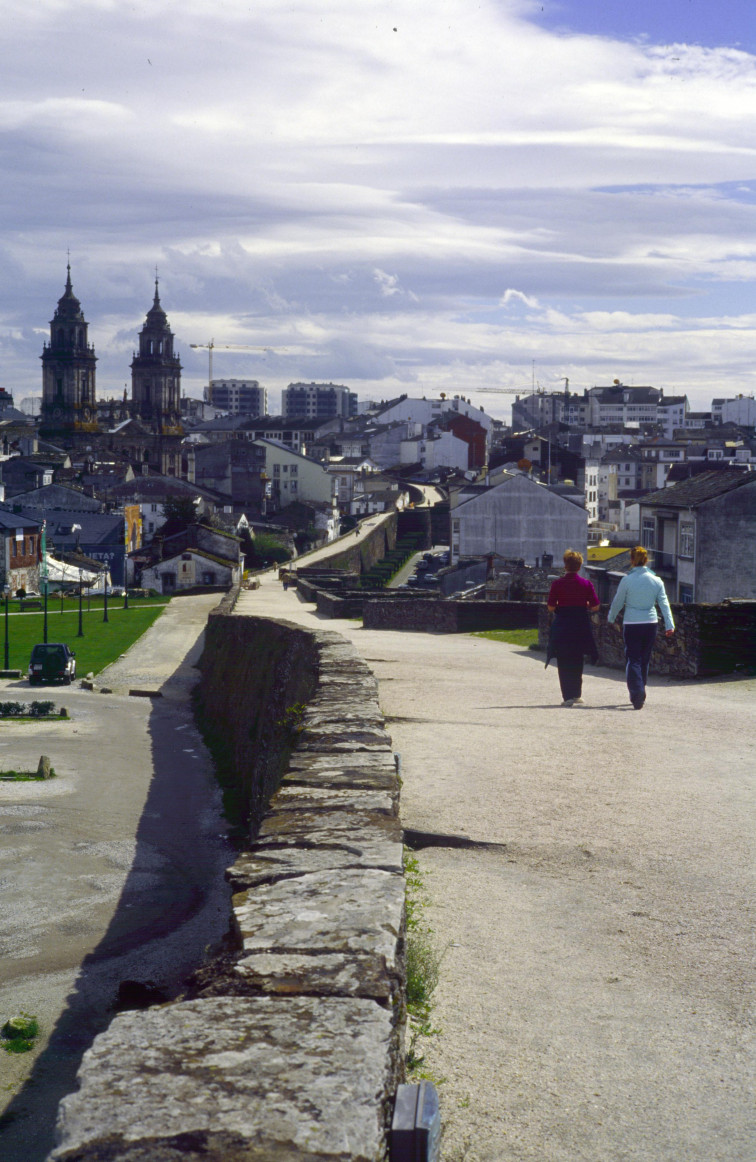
<point x="210" y="347"/>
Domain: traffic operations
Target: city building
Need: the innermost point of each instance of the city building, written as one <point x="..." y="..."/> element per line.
<point x="740" y="410"/>
<point x="701" y="533"/>
<point x="319" y="400"/>
<point x="239" y="397"/>
<point x="518" y="518"/>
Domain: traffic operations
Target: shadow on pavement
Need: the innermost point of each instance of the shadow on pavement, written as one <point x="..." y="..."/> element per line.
<point x="174" y="904"/>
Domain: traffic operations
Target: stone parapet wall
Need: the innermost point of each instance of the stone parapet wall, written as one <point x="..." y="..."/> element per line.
<point x="708" y="640"/>
<point x="447" y="616"/>
<point x="291" y="1046"/>
<point x="359" y="555"/>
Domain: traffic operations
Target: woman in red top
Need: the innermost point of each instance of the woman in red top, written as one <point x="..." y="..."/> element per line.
<point x="571" y="599"/>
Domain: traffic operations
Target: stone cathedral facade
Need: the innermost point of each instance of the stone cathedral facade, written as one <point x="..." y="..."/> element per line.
<point x="145" y="430"/>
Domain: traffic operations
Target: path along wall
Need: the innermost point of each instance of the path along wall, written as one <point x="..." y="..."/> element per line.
<point x="360" y="556"/>
<point x="291" y="1046"/>
<point x="708" y="640"/>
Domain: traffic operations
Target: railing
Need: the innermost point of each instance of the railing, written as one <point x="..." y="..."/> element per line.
<point x="665" y="564"/>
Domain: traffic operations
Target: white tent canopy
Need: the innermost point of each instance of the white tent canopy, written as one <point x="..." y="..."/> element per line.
<point x="63" y="572"/>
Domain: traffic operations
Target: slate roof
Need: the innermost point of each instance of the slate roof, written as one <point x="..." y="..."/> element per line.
<point x="14" y="520"/>
<point x="700" y="488"/>
<point x="55" y="498"/>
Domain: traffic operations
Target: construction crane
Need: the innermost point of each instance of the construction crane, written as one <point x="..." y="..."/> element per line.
<point x="210" y="347"/>
<point x="537" y="390"/>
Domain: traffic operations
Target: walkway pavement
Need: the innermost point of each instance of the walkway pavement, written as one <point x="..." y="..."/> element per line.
<point x="112" y="871"/>
<point x="597" y="985"/>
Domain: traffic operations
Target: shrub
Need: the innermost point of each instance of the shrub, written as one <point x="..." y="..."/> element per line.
<point x="41" y="709"/>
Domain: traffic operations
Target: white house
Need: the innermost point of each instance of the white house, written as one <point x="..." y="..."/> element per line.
<point x="518" y="518"/>
<point x="185" y="570"/>
<point x="293" y="477"/>
<point x="440" y="450"/>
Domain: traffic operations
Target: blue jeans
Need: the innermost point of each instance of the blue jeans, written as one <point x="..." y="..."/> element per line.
<point x="639" y="642"/>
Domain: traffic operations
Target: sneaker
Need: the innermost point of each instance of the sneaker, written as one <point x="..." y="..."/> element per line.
<point x="578" y="702"/>
<point x="568" y="702"/>
<point x="638" y="703"/>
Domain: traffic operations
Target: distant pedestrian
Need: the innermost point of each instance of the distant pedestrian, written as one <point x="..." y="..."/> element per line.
<point x="571" y="599"/>
<point x="639" y="592"/>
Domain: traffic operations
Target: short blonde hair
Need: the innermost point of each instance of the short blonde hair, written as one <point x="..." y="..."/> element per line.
<point x="573" y="561"/>
<point x="639" y="555"/>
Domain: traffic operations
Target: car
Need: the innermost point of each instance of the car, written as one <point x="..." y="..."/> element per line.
<point x="52" y="662"/>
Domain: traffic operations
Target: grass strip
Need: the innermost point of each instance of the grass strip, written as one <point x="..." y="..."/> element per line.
<point x="103" y="641"/>
<point x="423" y="962"/>
<point x="513" y="637"/>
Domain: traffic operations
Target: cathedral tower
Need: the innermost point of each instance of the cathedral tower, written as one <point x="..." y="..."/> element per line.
<point x="68" y="370"/>
<point x="156" y="375"/>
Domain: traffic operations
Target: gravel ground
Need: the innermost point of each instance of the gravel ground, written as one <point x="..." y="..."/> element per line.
<point x="597" y="983"/>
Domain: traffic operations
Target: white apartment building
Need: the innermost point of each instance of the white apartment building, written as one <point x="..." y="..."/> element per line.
<point x="620" y="404"/>
<point x="423" y="411"/>
<point x="293" y="477"/>
<point x="741" y="410"/>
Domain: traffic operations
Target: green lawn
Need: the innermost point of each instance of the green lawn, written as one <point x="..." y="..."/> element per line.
<point x="103" y="641"/>
<point x="513" y="637"/>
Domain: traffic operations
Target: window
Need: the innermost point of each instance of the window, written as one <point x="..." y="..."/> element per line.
<point x="294" y="470"/>
<point x="293" y="486"/>
<point x="276" y="469"/>
<point x="687" y="539"/>
<point x="648" y="532"/>
<point x="686" y="594"/>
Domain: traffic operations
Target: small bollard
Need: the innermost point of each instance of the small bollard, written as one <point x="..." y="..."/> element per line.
<point x="44" y="770"/>
<point x="416" y="1125"/>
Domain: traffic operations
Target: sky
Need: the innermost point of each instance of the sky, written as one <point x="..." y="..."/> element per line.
<point x="390" y="194"/>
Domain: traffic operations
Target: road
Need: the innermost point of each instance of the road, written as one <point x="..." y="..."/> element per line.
<point x="112" y="871"/>
<point x="597" y="983"/>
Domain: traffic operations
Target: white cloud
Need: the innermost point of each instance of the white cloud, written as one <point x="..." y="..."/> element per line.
<point x="450" y="200"/>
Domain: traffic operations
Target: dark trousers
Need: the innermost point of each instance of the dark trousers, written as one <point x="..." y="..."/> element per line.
<point x="569" y="667"/>
<point x="639" y="642"/>
<point x="570" y="672"/>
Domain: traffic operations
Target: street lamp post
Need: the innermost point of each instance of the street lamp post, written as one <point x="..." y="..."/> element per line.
<point x="44" y="576"/>
<point x="7" y="647"/>
<point x="105" y="596"/>
<point x="81" y="624"/>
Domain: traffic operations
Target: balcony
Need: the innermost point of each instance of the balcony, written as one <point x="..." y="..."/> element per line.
<point x="663" y="564"/>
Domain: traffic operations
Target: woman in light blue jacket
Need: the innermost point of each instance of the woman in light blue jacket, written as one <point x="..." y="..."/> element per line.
<point x="638" y="594"/>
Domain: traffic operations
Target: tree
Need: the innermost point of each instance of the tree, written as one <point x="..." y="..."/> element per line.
<point x="179" y="514"/>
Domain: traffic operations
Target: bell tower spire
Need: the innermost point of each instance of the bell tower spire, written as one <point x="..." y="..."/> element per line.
<point x="156" y="373"/>
<point x="68" y="369"/>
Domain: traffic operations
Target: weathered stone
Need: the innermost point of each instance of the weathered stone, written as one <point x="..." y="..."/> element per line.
<point x="274" y="863"/>
<point x="320" y="761"/>
<point x="328" y="737"/>
<point x="235" y="1079"/>
<point x="329" y="974"/>
<point x="355" y="831"/>
<point x="367" y="777"/>
<point x="350" y="911"/>
<point x="314" y="799"/>
<point x="44" y="769"/>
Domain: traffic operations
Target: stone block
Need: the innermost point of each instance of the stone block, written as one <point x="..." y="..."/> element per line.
<point x="275" y="863"/>
<point x="235" y="1079"/>
<point x="352" y="910"/>
<point x="355" y="831"/>
<point x="316" y="798"/>
<point x="329" y="974"/>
